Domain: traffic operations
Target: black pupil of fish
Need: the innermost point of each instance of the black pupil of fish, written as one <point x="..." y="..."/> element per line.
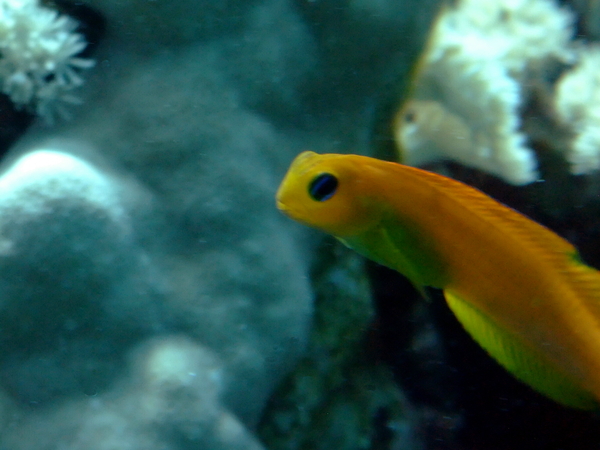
<point x="323" y="187"/>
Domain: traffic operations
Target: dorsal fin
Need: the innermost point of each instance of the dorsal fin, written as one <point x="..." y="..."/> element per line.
<point x="498" y="214"/>
<point x="559" y="253"/>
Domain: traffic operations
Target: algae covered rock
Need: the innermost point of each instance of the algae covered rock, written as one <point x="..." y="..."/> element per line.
<point x="338" y="397"/>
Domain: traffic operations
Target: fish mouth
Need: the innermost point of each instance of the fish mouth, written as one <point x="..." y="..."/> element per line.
<point x="285" y="209"/>
<point x="292" y="213"/>
<point x="281" y="206"/>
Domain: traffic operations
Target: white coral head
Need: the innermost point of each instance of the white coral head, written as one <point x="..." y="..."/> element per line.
<point x="44" y="176"/>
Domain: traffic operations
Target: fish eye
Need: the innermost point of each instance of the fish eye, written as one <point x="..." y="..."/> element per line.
<point x="323" y="187"/>
<point x="410" y="117"/>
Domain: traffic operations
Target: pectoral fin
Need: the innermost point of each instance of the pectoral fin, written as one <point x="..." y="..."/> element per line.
<point x="525" y="362"/>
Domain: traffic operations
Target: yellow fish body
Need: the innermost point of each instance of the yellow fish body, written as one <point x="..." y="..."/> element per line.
<point x="519" y="289"/>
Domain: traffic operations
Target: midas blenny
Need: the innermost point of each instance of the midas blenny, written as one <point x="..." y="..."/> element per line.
<point x="519" y="289"/>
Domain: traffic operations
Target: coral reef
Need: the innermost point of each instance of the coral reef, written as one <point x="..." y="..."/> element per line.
<point x="497" y="79"/>
<point x="469" y="86"/>
<point x="152" y="296"/>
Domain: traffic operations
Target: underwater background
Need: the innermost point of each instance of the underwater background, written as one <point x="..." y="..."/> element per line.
<point x="151" y="295"/>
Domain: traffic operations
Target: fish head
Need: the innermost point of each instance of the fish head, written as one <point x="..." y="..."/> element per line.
<point x="327" y="192"/>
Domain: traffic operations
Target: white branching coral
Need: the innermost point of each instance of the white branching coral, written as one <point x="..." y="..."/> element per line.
<point x="577" y="107"/>
<point x="517" y="33"/>
<point x="470" y="82"/>
<point x="39" y="66"/>
<point x="467" y="121"/>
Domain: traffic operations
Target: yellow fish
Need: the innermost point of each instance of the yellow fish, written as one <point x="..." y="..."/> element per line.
<point x="519" y="289"/>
